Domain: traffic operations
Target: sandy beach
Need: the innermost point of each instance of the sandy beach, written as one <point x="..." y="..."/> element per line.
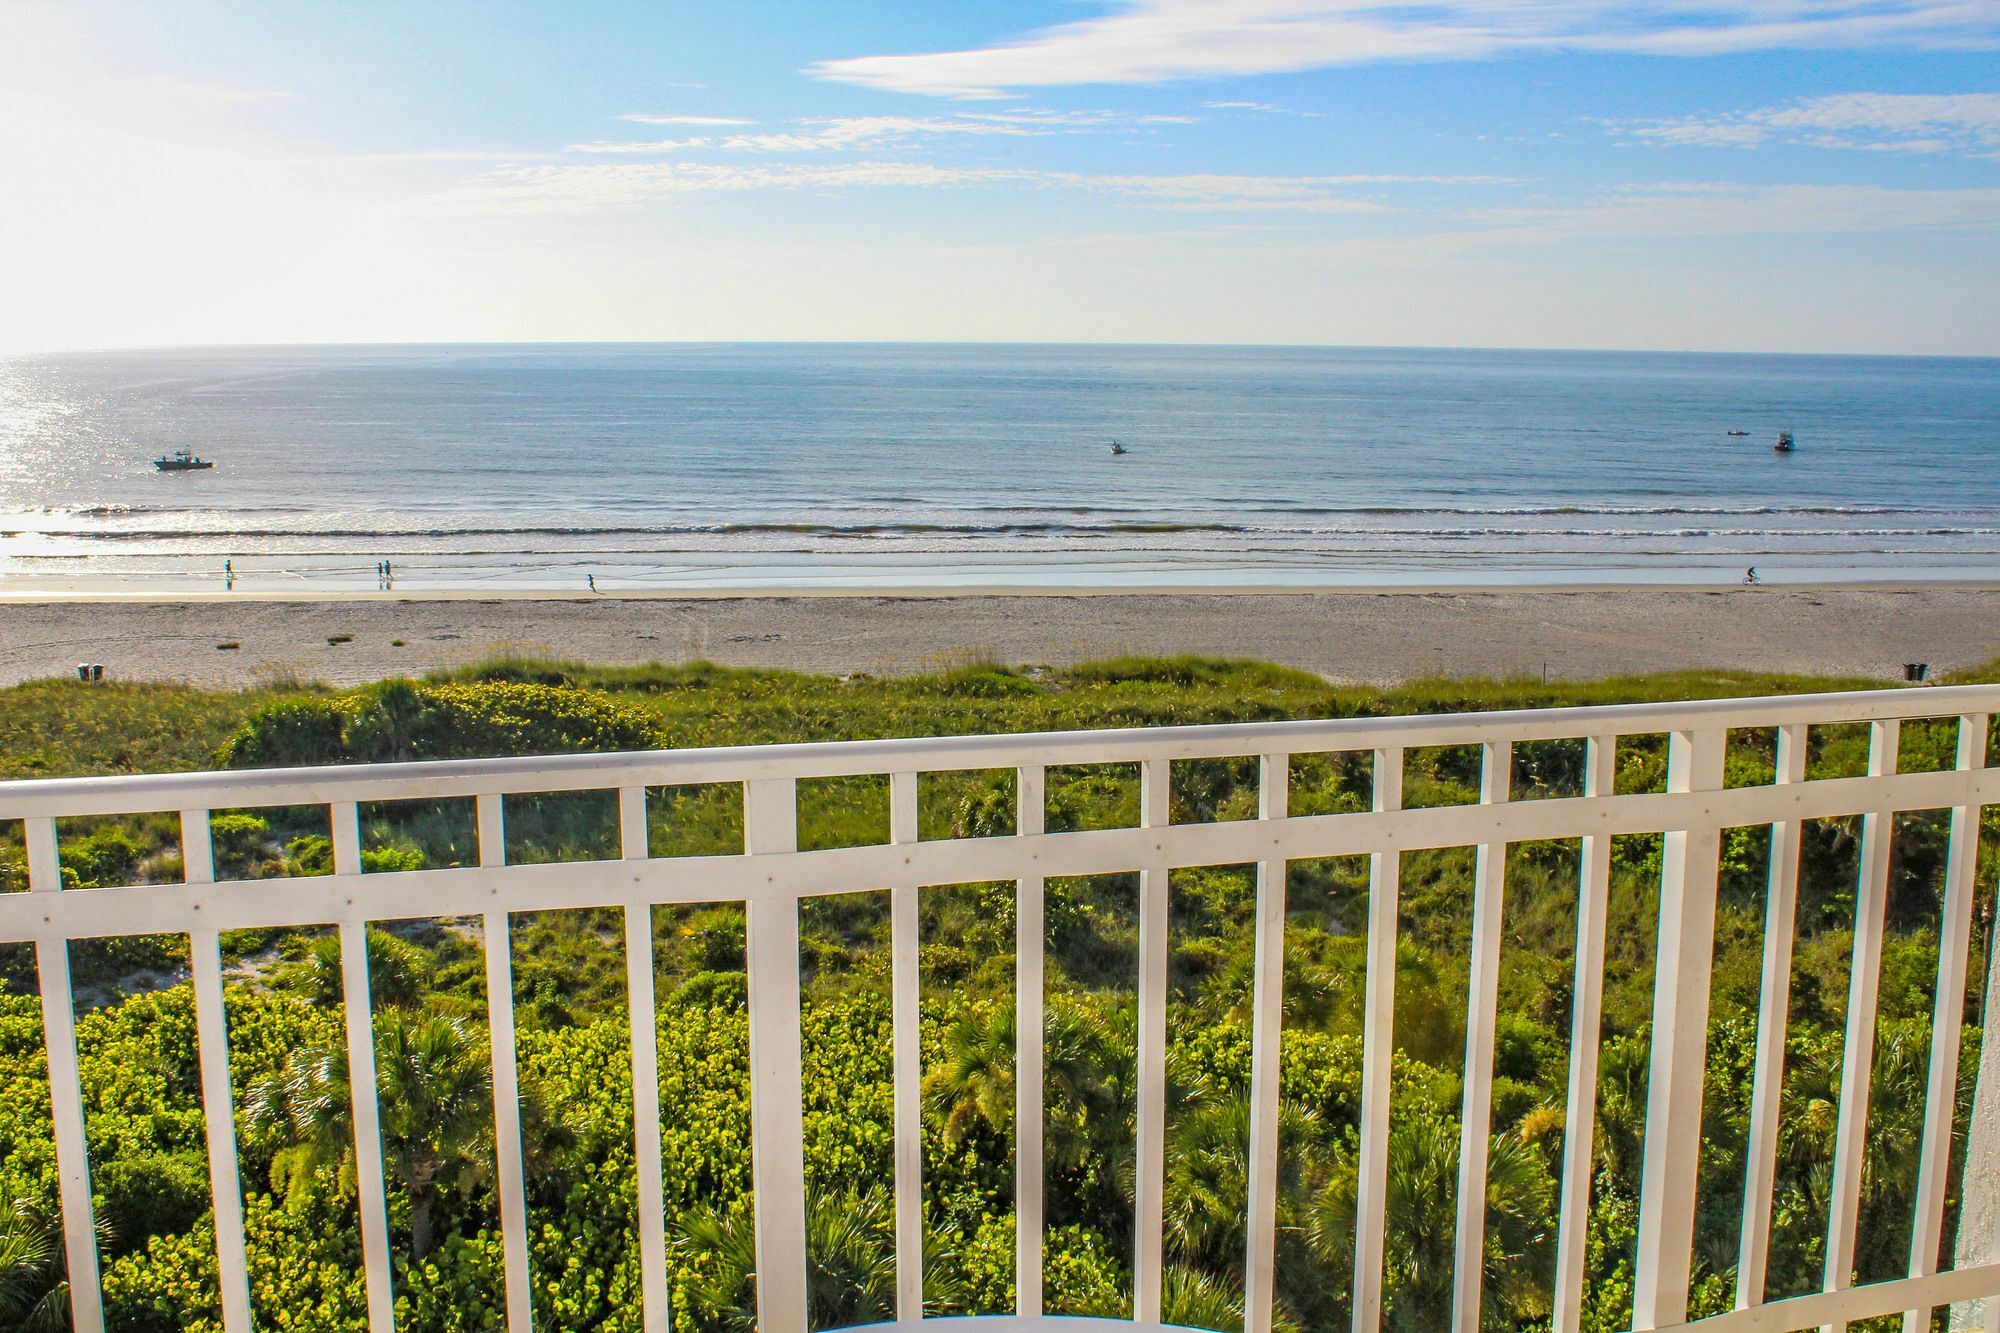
<point x="1360" y="636"/>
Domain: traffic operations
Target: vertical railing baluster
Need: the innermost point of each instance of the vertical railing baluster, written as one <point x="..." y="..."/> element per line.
<point x="1961" y="863"/>
<point x="777" y="1114"/>
<point x="1030" y="940"/>
<point x="86" y="1297"/>
<point x="1683" y="960"/>
<point x="1774" y="1001"/>
<point x="907" y="1059"/>
<point x="1149" y="1190"/>
<point x="357" y="1004"/>
<point x="218" y="1106"/>
<point x="1857" y="1061"/>
<point x="1475" y="1126"/>
<point x="1978" y="1239"/>
<point x="1377" y="1055"/>
<point x="1586" y="1017"/>
<point x="1267" y="1019"/>
<point x="644" y="1023"/>
<point x="506" y="1072"/>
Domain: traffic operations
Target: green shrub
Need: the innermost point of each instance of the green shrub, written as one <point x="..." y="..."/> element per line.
<point x="402" y="720"/>
<point x="384" y="860"/>
<point x="311" y="854"/>
<point x="287" y="733"/>
<point x="152" y="1193"/>
<point x="714" y="990"/>
<point x="238" y="841"/>
<point x="107" y="856"/>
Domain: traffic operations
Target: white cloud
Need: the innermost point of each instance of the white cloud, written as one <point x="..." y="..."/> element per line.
<point x="869" y="131"/>
<point x="1151" y="41"/>
<point x="579" y="188"/>
<point x="639" y="145"/>
<point x="837" y="133"/>
<point x="686" y="120"/>
<point x="1880" y="122"/>
<point x="1659" y="212"/>
<point x="446" y="156"/>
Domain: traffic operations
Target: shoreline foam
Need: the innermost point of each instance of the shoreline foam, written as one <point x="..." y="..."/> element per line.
<point x="772" y="592"/>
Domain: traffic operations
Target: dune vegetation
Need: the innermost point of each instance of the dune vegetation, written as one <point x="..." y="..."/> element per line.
<point x="289" y="1072"/>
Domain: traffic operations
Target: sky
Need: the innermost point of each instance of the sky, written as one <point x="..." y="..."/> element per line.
<point x="1729" y="175"/>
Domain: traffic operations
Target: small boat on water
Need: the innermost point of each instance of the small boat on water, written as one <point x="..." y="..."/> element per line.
<point x="180" y="460"/>
<point x="1118" y="449"/>
<point x="1739" y="432"/>
<point x="1784" y="444"/>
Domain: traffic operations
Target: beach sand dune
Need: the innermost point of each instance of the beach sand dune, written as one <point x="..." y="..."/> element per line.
<point x="1351" y="636"/>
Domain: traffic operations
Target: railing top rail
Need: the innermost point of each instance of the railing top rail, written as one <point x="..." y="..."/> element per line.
<point x="139" y="794"/>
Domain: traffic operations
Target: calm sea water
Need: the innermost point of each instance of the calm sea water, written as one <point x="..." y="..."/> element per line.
<point x="759" y="465"/>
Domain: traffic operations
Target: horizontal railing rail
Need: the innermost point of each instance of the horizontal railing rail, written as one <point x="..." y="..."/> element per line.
<point x="771" y="876"/>
<point x="144" y="794"/>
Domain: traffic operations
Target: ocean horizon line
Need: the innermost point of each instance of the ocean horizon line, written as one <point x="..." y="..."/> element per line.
<point x="932" y="344"/>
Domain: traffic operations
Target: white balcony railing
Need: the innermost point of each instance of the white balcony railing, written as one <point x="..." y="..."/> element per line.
<point x="771" y="877"/>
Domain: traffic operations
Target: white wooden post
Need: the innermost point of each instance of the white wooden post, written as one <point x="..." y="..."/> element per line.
<point x="1683" y="960"/>
<point x="1377" y="1055"/>
<point x="1857" y="1063"/>
<point x="905" y="1027"/>
<point x="1496" y="772"/>
<point x="218" y="1106"/>
<point x="1149" y="1222"/>
<point x="1947" y="1017"/>
<point x="1773" y="1018"/>
<point x="86" y="1297"/>
<point x="1030" y="944"/>
<point x="1978" y="1240"/>
<point x="1586" y="1017"/>
<point x="358" y="1007"/>
<point x="1267" y="1020"/>
<point x="643" y="1020"/>
<point x="508" y="1166"/>
<point x="777" y="1110"/>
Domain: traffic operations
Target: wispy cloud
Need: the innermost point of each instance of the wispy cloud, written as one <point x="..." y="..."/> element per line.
<point x="639" y="146"/>
<point x="1708" y="209"/>
<point x="842" y="132"/>
<point x="686" y="120"/>
<point x="838" y="133"/>
<point x="1880" y="122"/>
<point x="1242" y="106"/>
<point x="1151" y="41"/>
<point x="597" y="187"/>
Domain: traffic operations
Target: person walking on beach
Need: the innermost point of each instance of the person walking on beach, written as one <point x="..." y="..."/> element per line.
<point x="591" y="579"/>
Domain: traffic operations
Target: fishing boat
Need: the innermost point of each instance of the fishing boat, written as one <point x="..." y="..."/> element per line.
<point x="1784" y="444"/>
<point x="1117" y="448"/>
<point x="180" y="460"/>
<point x="1739" y="432"/>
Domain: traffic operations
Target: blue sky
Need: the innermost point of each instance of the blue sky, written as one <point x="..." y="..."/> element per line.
<point x="1804" y="175"/>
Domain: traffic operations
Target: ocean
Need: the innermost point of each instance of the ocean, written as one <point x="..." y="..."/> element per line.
<point x="758" y="466"/>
